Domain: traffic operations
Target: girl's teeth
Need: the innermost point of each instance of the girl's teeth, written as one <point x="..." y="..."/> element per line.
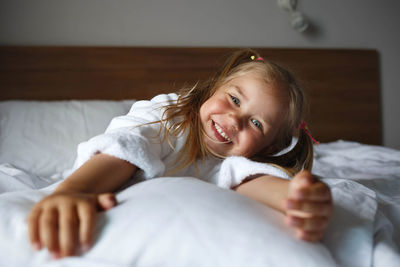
<point x="219" y="130"/>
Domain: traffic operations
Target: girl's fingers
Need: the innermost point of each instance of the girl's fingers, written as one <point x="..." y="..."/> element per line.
<point x="33" y="228"/>
<point x="310" y="224"/>
<point x="68" y="230"/>
<point x="306" y="209"/>
<point x="318" y="192"/>
<point x="59" y="221"/>
<point x="48" y="229"/>
<point x="299" y="183"/>
<point x="304" y="186"/>
<point x="106" y="201"/>
<point x="310" y="236"/>
<point x="86" y="214"/>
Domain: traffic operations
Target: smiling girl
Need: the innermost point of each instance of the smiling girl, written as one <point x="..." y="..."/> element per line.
<point x="229" y="130"/>
<point x="244" y="115"/>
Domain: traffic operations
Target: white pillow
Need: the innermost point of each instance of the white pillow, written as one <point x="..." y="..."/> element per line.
<point x="188" y="222"/>
<point x="170" y="222"/>
<point x="42" y="137"/>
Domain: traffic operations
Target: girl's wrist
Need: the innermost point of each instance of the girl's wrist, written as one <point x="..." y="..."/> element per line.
<point x="70" y="189"/>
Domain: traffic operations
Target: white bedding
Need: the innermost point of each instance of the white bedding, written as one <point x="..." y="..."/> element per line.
<point x="185" y="221"/>
<point x="41" y="137"/>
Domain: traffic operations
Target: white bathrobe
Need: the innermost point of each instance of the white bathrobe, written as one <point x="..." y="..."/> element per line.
<point x="129" y="139"/>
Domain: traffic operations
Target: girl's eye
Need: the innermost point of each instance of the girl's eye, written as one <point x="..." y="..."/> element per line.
<point x="235" y="100"/>
<point x="256" y="123"/>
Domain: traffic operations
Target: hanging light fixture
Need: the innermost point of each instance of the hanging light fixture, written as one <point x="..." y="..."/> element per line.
<point x="297" y="19"/>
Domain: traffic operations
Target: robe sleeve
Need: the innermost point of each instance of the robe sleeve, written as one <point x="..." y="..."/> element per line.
<point x="235" y="169"/>
<point x="130" y="138"/>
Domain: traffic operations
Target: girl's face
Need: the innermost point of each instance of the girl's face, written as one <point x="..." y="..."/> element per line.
<point x="242" y="117"/>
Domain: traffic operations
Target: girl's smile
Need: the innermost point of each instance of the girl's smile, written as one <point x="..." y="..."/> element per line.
<point x="242" y="117"/>
<point x="220" y="133"/>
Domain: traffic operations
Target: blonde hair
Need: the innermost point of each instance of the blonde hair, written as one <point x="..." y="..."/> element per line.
<point x="190" y="100"/>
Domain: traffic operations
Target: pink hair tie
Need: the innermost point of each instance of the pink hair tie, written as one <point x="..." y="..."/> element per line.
<point x="256" y="59"/>
<point x="303" y="126"/>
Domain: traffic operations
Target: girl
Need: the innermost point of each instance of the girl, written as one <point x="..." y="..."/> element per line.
<point x="223" y="131"/>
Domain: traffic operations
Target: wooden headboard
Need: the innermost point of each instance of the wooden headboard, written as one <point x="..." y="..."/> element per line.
<point x="342" y="85"/>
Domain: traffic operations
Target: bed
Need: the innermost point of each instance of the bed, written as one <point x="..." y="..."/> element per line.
<point x="52" y="98"/>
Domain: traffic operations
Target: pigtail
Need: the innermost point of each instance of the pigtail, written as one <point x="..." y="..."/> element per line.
<point x="307" y="153"/>
<point x="299" y="158"/>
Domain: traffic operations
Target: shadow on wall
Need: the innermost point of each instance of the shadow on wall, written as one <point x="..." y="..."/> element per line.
<point x="313" y="31"/>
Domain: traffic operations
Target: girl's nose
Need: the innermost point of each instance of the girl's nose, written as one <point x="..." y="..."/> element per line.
<point x="235" y="122"/>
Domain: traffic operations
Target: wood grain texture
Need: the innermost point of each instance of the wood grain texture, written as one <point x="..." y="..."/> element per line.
<point x="342" y="85"/>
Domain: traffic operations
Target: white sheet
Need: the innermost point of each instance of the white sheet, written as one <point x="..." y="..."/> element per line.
<point x="378" y="169"/>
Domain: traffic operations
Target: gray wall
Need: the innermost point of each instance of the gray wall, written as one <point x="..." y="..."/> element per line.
<point x="339" y="24"/>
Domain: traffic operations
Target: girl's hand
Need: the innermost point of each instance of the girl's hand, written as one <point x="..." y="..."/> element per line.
<point x="308" y="206"/>
<point x="63" y="221"/>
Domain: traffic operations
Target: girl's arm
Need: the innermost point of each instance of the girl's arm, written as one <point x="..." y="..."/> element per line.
<point x="66" y="218"/>
<point x="306" y="201"/>
<point x="266" y="189"/>
<point x="100" y="174"/>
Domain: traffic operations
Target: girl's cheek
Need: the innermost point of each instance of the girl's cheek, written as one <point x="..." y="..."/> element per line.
<point x="256" y="144"/>
<point x="248" y="144"/>
<point x="222" y="103"/>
